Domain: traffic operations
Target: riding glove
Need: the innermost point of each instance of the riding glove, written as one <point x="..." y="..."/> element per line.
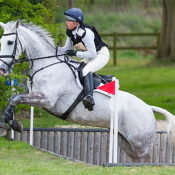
<point x="71" y="52"/>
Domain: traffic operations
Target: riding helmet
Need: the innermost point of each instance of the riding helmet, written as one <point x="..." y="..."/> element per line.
<point x="74" y="14"/>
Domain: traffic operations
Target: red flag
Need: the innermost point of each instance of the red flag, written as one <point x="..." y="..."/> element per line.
<point x="110" y="87"/>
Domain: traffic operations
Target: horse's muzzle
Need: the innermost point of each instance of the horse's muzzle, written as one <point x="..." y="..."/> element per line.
<point x="4" y="70"/>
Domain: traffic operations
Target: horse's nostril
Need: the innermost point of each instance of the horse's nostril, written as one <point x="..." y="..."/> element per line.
<point x="2" y="70"/>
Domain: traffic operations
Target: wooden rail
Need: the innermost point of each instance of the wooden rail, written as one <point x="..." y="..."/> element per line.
<point x="92" y="146"/>
<point x="115" y="47"/>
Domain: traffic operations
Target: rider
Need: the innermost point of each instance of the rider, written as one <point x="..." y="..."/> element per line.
<point x="90" y="48"/>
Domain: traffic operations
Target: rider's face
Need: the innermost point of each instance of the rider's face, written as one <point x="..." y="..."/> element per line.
<point x="70" y="24"/>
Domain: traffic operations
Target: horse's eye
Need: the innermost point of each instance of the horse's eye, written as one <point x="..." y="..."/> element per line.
<point x="10" y="42"/>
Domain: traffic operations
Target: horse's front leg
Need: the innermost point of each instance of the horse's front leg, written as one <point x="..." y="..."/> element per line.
<point x="32" y="99"/>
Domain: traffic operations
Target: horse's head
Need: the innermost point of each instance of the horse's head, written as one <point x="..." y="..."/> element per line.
<point x="11" y="47"/>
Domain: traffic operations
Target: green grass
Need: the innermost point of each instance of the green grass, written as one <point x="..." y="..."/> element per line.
<point x="42" y="119"/>
<point x="18" y="158"/>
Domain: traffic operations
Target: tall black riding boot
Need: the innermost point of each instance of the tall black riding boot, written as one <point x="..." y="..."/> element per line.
<point x="88" y="101"/>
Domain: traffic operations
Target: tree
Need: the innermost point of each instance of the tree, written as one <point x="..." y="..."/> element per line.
<point x="10" y="10"/>
<point x="147" y="4"/>
<point x="166" y="51"/>
<point x="70" y="4"/>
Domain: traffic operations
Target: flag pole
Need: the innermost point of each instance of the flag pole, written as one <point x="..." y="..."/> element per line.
<point x="114" y="106"/>
<point x="116" y="120"/>
<point x="111" y="138"/>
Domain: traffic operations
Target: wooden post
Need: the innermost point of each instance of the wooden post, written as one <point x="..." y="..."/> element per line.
<point x="163" y="143"/>
<point x="76" y="154"/>
<point x="57" y="142"/>
<point x="158" y="41"/>
<point x="97" y="143"/>
<point x="44" y="140"/>
<point x="115" y="48"/>
<point x="63" y="149"/>
<point x="37" y="139"/>
<point x="90" y="147"/>
<point x="70" y="145"/>
<point x="103" y="148"/>
<point x="83" y="150"/>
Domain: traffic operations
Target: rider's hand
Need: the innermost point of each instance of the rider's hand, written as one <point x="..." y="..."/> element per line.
<point x="71" y="52"/>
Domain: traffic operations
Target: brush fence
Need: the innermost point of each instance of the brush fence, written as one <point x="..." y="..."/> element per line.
<point x="92" y="145"/>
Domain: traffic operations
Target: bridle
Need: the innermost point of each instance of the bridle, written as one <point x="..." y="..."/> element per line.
<point x="14" y="60"/>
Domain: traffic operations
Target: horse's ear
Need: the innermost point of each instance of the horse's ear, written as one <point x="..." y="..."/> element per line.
<point x="17" y="23"/>
<point x="2" y="25"/>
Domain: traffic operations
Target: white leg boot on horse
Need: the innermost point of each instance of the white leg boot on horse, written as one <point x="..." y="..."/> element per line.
<point x="88" y="101"/>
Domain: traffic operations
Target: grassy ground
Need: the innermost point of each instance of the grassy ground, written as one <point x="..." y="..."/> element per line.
<point x="18" y="158"/>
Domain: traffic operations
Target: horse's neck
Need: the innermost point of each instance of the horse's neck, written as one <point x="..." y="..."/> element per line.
<point x="37" y="47"/>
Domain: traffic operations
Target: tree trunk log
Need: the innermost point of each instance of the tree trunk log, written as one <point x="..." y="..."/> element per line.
<point x="166" y="51"/>
<point x="70" y="4"/>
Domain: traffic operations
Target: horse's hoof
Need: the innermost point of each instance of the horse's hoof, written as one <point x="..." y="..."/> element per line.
<point x="16" y="126"/>
<point x="3" y="129"/>
<point x="90" y="108"/>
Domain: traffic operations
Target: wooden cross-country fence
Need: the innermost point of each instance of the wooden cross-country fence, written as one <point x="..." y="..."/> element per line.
<point x="115" y="47"/>
<point x="91" y="145"/>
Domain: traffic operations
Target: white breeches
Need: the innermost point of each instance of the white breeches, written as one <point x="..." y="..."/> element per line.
<point x="95" y="64"/>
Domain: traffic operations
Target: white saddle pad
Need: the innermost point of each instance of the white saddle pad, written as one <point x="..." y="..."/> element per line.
<point x="95" y="90"/>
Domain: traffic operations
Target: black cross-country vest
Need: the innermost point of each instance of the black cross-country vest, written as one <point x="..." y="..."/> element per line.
<point x="82" y="32"/>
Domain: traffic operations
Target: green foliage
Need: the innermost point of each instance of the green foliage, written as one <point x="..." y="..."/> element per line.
<point x="45" y="3"/>
<point x="36" y="11"/>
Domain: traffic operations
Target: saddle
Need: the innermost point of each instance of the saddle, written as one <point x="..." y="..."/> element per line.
<point x="97" y="78"/>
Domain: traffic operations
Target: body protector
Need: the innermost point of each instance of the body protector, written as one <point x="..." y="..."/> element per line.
<point x="79" y="45"/>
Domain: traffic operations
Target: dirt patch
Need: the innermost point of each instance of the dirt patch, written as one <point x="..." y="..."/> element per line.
<point x="161" y="125"/>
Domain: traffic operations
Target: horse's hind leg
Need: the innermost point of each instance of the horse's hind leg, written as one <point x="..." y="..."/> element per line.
<point x="136" y="154"/>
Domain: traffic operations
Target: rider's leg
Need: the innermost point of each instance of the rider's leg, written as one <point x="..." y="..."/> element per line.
<point x="92" y="66"/>
<point x="88" y="101"/>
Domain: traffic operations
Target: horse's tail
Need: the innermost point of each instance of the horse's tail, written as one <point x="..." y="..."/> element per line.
<point x="170" y="118"/>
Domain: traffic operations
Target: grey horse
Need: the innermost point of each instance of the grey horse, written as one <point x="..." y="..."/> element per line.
<point x="52" y="86"/>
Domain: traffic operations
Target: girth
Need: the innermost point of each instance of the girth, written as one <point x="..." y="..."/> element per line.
<point x="97" y="80"/>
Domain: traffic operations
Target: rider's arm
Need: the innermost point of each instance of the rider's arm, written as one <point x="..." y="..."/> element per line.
<point x="68" y="45"/>
<point x="88" y="40"/>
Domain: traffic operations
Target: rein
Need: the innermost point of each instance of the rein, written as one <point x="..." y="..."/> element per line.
<point x="15" y="61"/>
<point x="66" y="61"/>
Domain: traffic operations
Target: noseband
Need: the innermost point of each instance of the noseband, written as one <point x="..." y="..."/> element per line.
<point x="14" y="60"/>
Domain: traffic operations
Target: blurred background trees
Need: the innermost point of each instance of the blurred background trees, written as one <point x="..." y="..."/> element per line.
<point x="167" y="44"/>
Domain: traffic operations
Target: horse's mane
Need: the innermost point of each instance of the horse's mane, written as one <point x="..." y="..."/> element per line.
<point x="43" y="33"/>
